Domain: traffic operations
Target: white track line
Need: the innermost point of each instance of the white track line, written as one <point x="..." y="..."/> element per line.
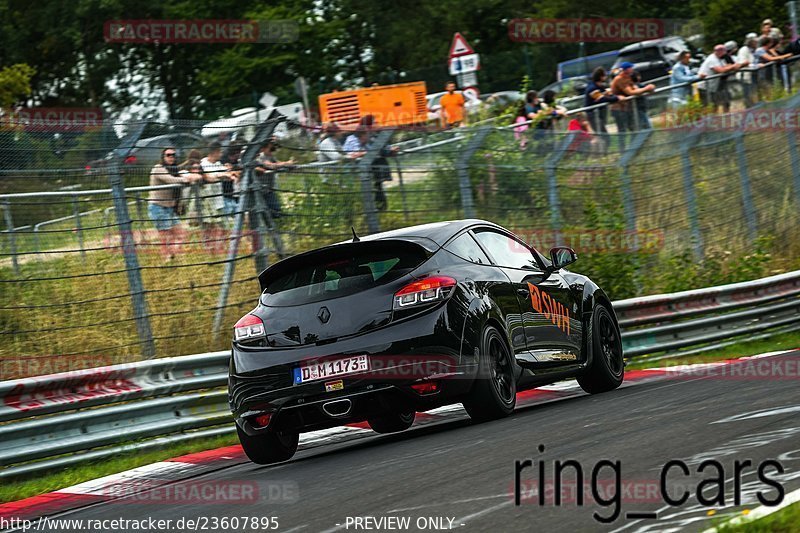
<point x="761" y="512"/>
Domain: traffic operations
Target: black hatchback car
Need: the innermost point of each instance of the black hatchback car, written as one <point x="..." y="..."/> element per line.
<point x="382" y="327"/>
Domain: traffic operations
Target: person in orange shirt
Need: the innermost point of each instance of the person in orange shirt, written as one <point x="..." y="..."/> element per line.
<point x="452" y="110"/>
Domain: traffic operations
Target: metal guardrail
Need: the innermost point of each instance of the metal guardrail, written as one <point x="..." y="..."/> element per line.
<point x="49" y="422"/>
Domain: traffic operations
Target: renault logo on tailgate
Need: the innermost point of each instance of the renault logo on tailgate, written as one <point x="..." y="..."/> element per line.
<point x="324" y="315"/>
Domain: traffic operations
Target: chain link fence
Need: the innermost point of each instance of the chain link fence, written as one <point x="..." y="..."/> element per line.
<point x="94" y="273"/>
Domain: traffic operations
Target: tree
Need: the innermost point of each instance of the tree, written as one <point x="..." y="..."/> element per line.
<point x="15" y="83"/>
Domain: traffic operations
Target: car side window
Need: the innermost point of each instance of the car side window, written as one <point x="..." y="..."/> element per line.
<point x="465" y="247"/>
<point x="506" y="251"/>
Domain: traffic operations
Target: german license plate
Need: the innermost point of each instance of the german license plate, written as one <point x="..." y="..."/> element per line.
<point x="331" y="368"/>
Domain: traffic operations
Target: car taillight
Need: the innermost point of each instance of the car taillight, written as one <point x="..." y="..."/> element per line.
<point x="131" y="159"/>
<point x="424" y="291"/>
<point x="248" y="327"/>
<point x="425" y="387"/>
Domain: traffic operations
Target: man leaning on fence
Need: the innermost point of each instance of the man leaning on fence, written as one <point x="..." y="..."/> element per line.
<point x="715" y="90"/>
<point x="682" y="73"/>
<point x="746" y="55"/>
<point x="163" y="203"/>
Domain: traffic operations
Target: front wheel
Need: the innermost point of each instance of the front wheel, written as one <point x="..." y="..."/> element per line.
<point x="392" y="422"/>
<point x="270" y="447"/>
<point x="494" y="393"/>
<point x="608" y="367"/>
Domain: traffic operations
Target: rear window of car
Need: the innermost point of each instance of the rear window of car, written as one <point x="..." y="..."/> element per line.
<point x="340" y="271"/>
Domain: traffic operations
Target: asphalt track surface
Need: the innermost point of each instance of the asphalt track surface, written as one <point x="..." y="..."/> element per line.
<point x="451" y="473"/>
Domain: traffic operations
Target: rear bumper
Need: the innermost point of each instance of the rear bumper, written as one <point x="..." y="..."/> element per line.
<point x="420" y="349"/>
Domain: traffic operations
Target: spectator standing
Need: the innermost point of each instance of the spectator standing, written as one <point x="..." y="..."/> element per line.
<point x="162" y="203"/>
<point x="640" y="120"/>
<point x="716" y="89"/>
<point x="230" y="187"/>
<point x="584" y="140"/>
<point x="356" y="147"/>
<point x="330" y="146"/>
<point x="682" y="73"/>
<point x="452" y="107"/>
<point x="521" y="127"/>
<point x="598" y="92"/>
<point x="623" y="110"/>
<point x="551" y="111"/>
<point x="766" y="54"/>
<point x="214" y="172"/>
<point x="766" y="27"/>
<point x="747" y="56"/>
<point x="265" y="171"/>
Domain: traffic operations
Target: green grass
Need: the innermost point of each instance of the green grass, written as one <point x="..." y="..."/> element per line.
<point x="42" y="483"/>
<point x="784" y="341"/>
<point x="787" y="520"/>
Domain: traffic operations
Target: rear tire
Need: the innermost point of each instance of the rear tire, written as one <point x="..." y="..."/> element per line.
<point x="392" y="422"/>
<point x="270" y="447"/>
<point x="607" y="369"/>
<point x="494" y="393"/>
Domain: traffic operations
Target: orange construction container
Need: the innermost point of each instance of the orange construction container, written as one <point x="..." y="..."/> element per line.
<point x="390" y="105"/>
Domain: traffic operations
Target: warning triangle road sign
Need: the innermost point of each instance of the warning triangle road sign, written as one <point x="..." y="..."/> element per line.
<point x="460" y="46"/>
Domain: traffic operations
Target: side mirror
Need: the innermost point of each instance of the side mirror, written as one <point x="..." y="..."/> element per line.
<point x="562" y="256"/>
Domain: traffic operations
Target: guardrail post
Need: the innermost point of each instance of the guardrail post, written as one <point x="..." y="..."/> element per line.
<point x="794" y="155"/>
<point x="691" y="197"/>
<point x="550" y="166"/>
<point x="368" y="182"/>
<point x="12" y="241"/>
<point x="263" y="133"/>
<point x="627" y="190"/>
<point x="77" y="213"/>
<point x="462" y="167"/>
<point x="747" y="193"/>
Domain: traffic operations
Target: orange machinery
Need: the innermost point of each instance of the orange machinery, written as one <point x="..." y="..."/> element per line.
<point x="390" y="105"/>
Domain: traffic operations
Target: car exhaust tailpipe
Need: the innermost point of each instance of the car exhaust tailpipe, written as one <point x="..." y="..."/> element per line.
<point x="337" y="408"/>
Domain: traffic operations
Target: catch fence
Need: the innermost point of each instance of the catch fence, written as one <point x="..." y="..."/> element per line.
<point x="88" y="279"/>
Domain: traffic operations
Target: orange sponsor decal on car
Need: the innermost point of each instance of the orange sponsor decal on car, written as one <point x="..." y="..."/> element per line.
<point x="552" y="310"/>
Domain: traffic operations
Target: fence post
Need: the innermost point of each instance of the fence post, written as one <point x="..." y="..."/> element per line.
<point x="627" y="189"/>
<point x="794" y="155"/>
<point x="402" y="189"/>
<point x="691" y="197"/>
<point x="77" y="213"/>
<point x="550" y="166"/>
<point x="140" y="211"/>
<point x="263" y="133"/>
<point x="462" y="167"/>
<point x="12" y="242"/>
<point x="198" y="204"/>
<point x="364" y="166"/>
<point x="132" y="268"/>
<point x="747" y="193"/>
